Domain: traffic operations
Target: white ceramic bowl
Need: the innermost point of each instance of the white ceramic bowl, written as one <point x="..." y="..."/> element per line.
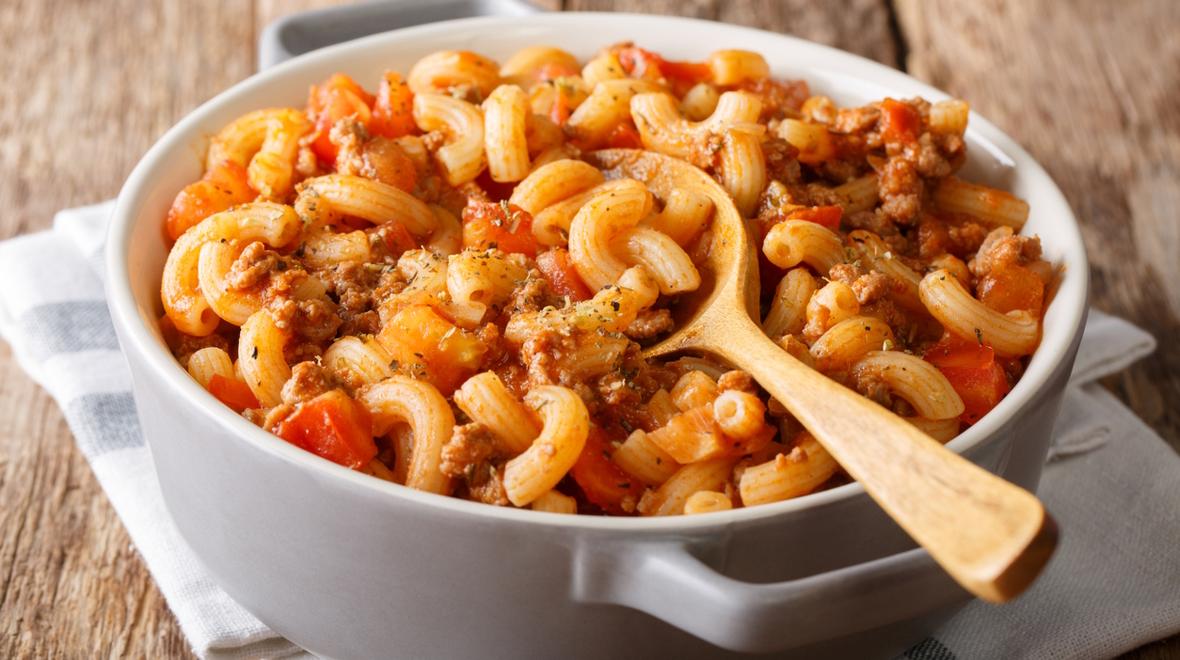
<point x="350" y="566"/>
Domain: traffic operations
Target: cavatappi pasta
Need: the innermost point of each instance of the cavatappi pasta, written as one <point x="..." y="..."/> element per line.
<point x="425" y="281"/>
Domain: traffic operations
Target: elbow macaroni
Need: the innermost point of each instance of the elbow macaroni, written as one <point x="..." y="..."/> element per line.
<point x="788" y="307"/>
<point x="664" y="129"/>
<point x="564" y="426"/>
<point x="1015" y="333"/>
<point x="743" y="169"/>
<point x="184" y="303"/>
<point x="272" y="169"/>
<point x="208" y="362"/>
<point x="261" y="357"/>
<point x="509" y="283"/>
<point x="484" y="399"/>
<point x="463" y="157"/>
<point x="793" y="242"/>
<point x="355" y="196"/>
<point x="449" y="69"/>
<point x="423" y="408"/>
<point x="667" y="262"/>
<point x="607" y="106"/>
<point x="785" y="476"/>
<point x="684" y="217"/>
<point x="915" y="380"/>
<point x="602" y="218"/>
<point x="528" y="65"/>
<point x="505" y="143"/>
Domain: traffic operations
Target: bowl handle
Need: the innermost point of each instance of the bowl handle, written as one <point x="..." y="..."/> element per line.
<point x="306" y="31"/>
<point x="670" y="583"/>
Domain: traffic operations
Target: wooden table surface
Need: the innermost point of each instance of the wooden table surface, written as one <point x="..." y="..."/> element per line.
<point x="1090" y="88"/>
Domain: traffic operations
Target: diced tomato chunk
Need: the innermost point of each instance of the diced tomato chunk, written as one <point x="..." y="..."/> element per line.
<point x="900" y="122"/>
<point x="338" y="98"/>
<point x="332" y="426"/>
<point x="1012" y="287"/>
<point x="232" y="392"/>
<point x="502" y="225"/>
<point x="335" y="83"/>
<point x="555" y="70"/>
<point x="956" y="353"/>
<point x="563" y="105"/>
<point x="497" y="191"/>
<point x="429" y="347"/>
<point x="393" y="111"/>
<point x="640" y="63"/>
<point x="827" y="216"/>
<point x="322" y="145"/>
<point x="980" y="389"/>
<point x="689" y="72"/>
<point x="624" y="136"/>
<point x="558" y="268"/>
<point x="223" y="186"/>
<point x="605" y="484"/>
<point x="396" y="238"/>
<point x="973" y="372"/>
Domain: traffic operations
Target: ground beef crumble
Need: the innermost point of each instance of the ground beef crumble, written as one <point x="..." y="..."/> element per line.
<point x="850" y="121"/>
<point x="308" y="380"/>
<point x="472" y="457"/>
<point x="650" y="323"/>
<point x="531" y="295"/>
<point x="251" y="267"/>
<point x="313" y="320"/>
<point x="872" y="286"/>
<point x="1002" y="248"/>
<point x="737" y="380"/>
<point x="781" y="163"/>
<point x="900" y="188"/>
<point x="486" y="484"/>
<point x="373" y="157"/>
<point x="470" y="444"/>
<point x="869" y="383"/>
<point x="183" y="346"/>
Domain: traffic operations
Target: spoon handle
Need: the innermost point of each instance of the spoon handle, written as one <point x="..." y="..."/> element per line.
<point x="991" y="536"/>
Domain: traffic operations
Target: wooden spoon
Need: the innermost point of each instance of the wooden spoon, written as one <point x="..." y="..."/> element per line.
<point x="991" y="536"/>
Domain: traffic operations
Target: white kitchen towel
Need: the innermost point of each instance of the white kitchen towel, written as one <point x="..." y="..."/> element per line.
<point x="53" y="313"/>
<point x="1111" y="482"/>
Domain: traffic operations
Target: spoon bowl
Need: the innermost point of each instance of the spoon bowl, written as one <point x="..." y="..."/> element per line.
<point x="991" y="536"/>
<point x="729" y="282"/>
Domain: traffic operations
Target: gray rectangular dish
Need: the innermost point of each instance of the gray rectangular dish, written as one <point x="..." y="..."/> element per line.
<point x="306" y="31"/>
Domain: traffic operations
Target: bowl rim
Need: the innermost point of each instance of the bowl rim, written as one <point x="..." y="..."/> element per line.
<point x="135" y="336"/>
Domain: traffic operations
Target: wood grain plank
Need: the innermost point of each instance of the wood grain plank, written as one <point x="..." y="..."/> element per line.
<point x="1098" y="107"/>
<point x="100" y="83"/>
<point x="857" y="26"/>
<point x="687" y="8"/>
<point x="1102" y="118"/>
<point x="98" y="93"/>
